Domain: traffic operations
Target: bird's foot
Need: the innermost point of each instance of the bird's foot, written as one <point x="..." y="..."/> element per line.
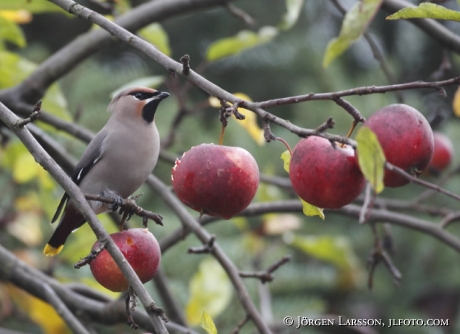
<point x="117" y="202"/>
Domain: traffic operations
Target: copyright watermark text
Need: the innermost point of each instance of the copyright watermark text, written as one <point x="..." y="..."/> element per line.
<point x="300" y="321"/>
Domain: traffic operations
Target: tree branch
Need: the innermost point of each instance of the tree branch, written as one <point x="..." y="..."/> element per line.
<point x="63" y="61"/>
<point x="110" y="312"/>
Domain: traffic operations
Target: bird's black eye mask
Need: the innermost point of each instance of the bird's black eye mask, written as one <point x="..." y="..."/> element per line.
<point x="144" y="95"/>
<point x="150" y="108"/>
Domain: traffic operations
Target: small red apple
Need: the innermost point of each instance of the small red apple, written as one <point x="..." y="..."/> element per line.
<point x="216" y="180"/>
<point x="406" y="139"/>
<point x="140" y="249"/>
<point x="325" y="176"/>
<point x="443" y="153"/>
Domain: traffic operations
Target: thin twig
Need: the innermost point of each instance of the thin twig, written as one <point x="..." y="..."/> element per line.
<point x="266" y="275"/>
<point x="241" y="14"/>
<point x="206" y="248"/>
<point x="33" y="116"/>
<point x="328" y="124"/>
<point x="421" y="182"/>
<point x="240" y="325"/>
<point x="366" y="90"/>
<point x="91" y="256"/>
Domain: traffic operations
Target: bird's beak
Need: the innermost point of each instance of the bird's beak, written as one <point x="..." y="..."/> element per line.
<point x="150" y="106"/>
<point x="159" y="97"/>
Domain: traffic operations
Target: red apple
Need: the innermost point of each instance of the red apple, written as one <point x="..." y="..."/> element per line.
<point x="140" y="249"/>
<point x="216" y="180"/>
<point x="443" y="153"/>
<point x="325" y="176"/>
<point x="406" y="139"/>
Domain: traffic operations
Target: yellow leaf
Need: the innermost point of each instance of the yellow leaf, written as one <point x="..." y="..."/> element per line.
<point x="40" y="312"/>
<point x="210" y="289"/>
<point x="25" y="168"/>
<point x="311" y="210"/>
<point x="371" y="158"/>
<point x="18" y="16"/>
<point x="456" y="103"/>
<point x="286" y="157"/>
<point x="207" y="324"/>
<point x="308" y="209"/>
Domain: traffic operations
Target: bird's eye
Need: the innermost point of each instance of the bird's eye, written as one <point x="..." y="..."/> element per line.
<point x="139" y="96"/>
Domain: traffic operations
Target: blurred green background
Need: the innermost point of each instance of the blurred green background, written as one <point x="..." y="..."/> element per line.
<point x="330" y="276"/>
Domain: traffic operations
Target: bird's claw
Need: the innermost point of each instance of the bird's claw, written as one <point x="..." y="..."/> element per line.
<point x="117" y="202"/>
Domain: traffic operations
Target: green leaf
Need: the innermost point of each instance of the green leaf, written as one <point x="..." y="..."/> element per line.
<point x="34" y="6"/>
<point x="152" y="82"/>
<point x="335" y="250"/>
<point x="353" y="26"/>
<point x="292" y="14"/>
<point x="210" y="289"/>
<point x="307" y="208"/>
<point x="245" y="39"/>
<point x="207" y="324"/>
<point x="371" y="158"/>
<point x="155" y="34"/>
<point x="9" y="31"/>
<point x="426" y="11"/>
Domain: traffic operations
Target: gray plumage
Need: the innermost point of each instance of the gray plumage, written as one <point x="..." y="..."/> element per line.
<point x="118" y="159"/>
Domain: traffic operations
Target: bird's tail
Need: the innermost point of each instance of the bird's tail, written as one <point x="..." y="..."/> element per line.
<point x="70" y="221"/>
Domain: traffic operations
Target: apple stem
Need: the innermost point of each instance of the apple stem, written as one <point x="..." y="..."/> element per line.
<point x="353" y="126"/>
<point x="222" y="132"/>
<point x="285" y="144"/>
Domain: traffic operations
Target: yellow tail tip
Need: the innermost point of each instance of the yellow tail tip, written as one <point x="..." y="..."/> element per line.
<point x="51" y="251"/>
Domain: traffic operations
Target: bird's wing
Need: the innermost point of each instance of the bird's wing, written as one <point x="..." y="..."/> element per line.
<point x="91" y="156"/>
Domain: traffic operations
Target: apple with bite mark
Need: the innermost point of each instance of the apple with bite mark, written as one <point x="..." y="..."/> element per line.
<point x="216" y="180"/>
<point x="325" y="176"/>
<point x="406" y="139"/>
<point x="141" y="250"/>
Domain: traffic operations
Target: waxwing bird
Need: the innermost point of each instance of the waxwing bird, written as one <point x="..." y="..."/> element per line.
<point x="116" y="162"/>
